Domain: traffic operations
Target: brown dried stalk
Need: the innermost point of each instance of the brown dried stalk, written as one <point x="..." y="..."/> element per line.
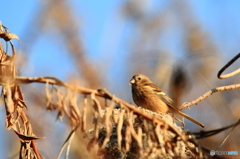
<point x="130" y="134"/>
<point x="100" y="93"/>
<point x="136" y="136"/>
<point x="16" y="118"/>
<point x="129" y="131"/>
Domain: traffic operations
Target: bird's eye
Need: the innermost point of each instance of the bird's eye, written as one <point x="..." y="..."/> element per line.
<point x="139" y="78"/>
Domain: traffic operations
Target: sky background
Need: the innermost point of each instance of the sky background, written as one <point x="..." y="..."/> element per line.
<point x="105" y="34"/>
<point x="104" y="30"/>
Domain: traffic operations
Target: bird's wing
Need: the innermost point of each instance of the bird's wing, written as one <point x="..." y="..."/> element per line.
<point x="164" y="97"/>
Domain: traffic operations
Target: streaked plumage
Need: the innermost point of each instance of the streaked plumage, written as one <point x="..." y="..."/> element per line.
<point x="150" y="96"/>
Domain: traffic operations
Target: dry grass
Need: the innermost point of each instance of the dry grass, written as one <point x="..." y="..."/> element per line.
<point x="122" y="132"/>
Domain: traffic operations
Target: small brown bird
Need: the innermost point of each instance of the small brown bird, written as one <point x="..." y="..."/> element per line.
<point x="150" y="96"/>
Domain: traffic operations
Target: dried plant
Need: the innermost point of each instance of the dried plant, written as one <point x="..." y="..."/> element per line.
<point x="119" y="129"/>
<point x="16" y="117"/>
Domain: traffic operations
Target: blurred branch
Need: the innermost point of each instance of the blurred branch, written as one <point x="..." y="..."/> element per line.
<point x="234" y="126"/>
<point x="60" y="13"/>
<point x="205" y="134"/>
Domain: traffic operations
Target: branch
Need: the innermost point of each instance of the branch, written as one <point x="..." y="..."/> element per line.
<point x="223" y="88"/>
<point x="100" y="93"/>
<point x="204" y="134"/>
<point x="226" y="66"/>
<point x="214" y="90"/>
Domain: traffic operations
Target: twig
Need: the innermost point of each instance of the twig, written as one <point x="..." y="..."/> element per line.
<point x="205" y="134"/>
<point x="227" y="135"/>
<point x="84" y="116"/>
<point x="214" y="90"/>
<point x="119" y="128"/>
<point x="226" y="66"/>
<point x="68" y="139"/>
<point x="108" y="124"/>
<point x="223" y="88"/>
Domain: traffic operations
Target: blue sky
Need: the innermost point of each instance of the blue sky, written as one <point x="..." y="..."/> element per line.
<point x="105" y="34"/>
<point x="104" y="31"/>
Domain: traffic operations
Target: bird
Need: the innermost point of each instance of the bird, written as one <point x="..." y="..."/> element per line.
<point x="150" y="96"/>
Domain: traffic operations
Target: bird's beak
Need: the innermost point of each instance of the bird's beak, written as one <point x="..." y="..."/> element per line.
<point x="132" y="81"/>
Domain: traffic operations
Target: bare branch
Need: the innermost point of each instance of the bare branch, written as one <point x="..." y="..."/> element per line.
<point x="227" y="135"/>
<point x="214" y="90"/>
<point x="226" y="66"/>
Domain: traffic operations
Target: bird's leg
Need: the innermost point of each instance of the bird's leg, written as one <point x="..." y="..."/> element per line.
<point x="181" y="121"/>
<point x="183" y="124"/>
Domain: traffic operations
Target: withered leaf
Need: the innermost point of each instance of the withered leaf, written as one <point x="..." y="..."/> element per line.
<point x="18" y="97"/>
<point x="8" y="36"/>
<point x="9" y="104"/>
<point x="28" y="137"/>
<point x="10" y="121"/>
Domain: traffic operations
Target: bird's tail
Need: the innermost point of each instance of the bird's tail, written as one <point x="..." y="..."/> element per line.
<point x="191" y="118"/>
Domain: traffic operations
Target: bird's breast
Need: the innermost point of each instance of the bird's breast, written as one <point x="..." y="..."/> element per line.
<point x="148" y="99"/>
<point x="139" y="97"/>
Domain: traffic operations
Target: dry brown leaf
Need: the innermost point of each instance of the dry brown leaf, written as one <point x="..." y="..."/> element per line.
<point x="8" y="36"/>
<point x="28" y="137"/>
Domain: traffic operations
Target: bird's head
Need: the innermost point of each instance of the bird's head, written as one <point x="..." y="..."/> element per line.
<point x="139" y="79"/>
